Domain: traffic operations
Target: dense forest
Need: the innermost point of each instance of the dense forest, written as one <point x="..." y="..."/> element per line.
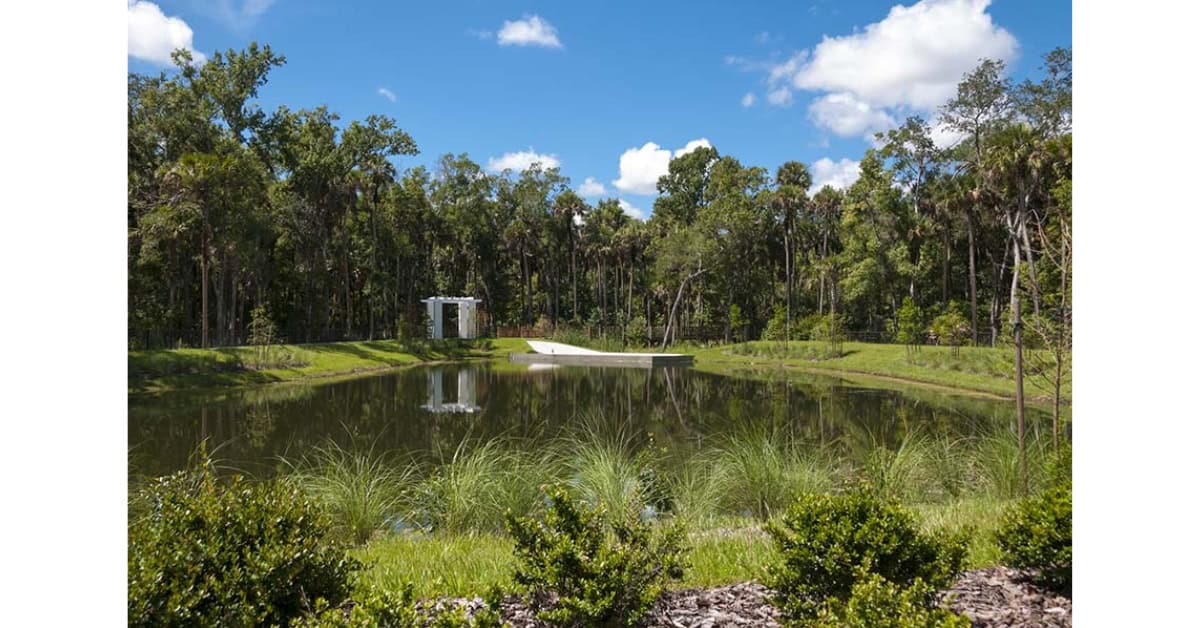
<point x="236" y="213"/>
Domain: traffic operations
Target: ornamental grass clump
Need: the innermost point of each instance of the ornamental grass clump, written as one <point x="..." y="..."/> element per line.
<point x="829" y="543"/>
<point x="203" y="552"/>
<point x="579" y="567"/>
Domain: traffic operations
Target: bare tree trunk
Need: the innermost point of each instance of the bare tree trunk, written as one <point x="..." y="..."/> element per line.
<point x="971" y="281"/>
<point x="675" y="306"/>
<point x="204" y="288"/>
<point x="1015" y="304"/>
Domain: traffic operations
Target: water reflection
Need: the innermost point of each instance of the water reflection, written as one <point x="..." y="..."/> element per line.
<point x="465" y="402"/>
<point x="423" y="410"/>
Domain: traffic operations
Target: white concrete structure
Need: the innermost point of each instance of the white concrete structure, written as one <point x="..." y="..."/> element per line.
<point x="466" y="315"/>
<point x="559" y="353"/>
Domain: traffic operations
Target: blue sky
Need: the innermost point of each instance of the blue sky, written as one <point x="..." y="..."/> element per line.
<point x="585" y="83"/>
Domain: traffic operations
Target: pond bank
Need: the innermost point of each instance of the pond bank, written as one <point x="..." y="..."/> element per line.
<point x="979" y="370"/>
<point x="162" y="370"/>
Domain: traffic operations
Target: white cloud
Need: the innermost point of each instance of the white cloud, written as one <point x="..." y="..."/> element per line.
<point x="944" y="137"/>
<point x="521" y="160"/>
<point x="243" y="15"/>
<point x="909" y="62"/>
<point x="914" y="57"/>
<point x="386" y="93"/>
<point x="691" y="146"/>
<point x="780" y="96"/>
<point x="482" y="35"/>
<point x="153" y="36"/>
<point x="847" y="116"/>
<point x="636" y="213"/>
<point x="640" y="168"/>
<point x="748" y="99"/>
<point x="592" y="188"/>
<point x="530" y="31"/>
<point x="836" y="174"/>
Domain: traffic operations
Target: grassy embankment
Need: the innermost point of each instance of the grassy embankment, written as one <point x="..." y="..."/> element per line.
<point x="169" y="369"/>
<point x="980" y="370"/>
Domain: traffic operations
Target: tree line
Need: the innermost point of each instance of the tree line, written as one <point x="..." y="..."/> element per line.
<point x="235" y="212"/>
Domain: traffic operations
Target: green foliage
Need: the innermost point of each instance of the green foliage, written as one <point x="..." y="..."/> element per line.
<point x="951" y="328"/>
<point x="1036" y="534"/>
<point x="875" y="602"/>
<point x="910" y="326"/>
<point x="827" y="543"/>
<point x="830" y="329"/>
<point x="598" y="570"/>
<point x="204" y="553"/>
<point x="636" y="330"/>
<point x="375" y="607"/>
<point x="777" y="325"/>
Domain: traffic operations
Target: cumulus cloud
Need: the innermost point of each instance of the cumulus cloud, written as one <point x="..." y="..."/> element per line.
<point x="911" y="60"/>
<point x="640" y="168"/>
<point x="847" y="116"/>
<point x="529" y="31"/>
<point x="521" y="160"/>
<point x="592" y="188"/>
<point x="748" y="99"/>
<point x="944" y="137"/>
<point x="636" y="213"/>
<point x="386" y="93"/>
<point x="153" y="36"/>
<point x="780" y="96"/>
<point x="836" y="174"/>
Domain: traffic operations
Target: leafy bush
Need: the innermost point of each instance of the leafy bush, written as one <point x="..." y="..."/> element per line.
<point x="203" y="553"/>
<point x="804" y="328"/>
<point x="876" y="603"/>
<point x="777" y="327"/>
<point x="1036" y="534"/>
<point x="951" y="328"/>
<point x="635" y="331"/>
<point x="830" y="329"/>
<point x="376" y="607"/>
<point x="584" y="569"/>
<point x="910" y="328"/>
<point x="827" y="543"/>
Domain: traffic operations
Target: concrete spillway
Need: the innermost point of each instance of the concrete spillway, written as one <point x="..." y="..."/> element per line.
<point x="558" y="353"/>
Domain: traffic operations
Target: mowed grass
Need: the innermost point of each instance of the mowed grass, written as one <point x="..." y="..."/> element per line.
<point x="732" y="550"/>
<point x="977" y="369"/>
<point x="170" y="369"/>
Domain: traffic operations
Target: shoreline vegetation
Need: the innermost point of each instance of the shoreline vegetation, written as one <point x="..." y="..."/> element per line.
<point x="978" y="371"/>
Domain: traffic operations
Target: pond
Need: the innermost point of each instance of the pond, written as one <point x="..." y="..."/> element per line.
<point x="428" y="411"/>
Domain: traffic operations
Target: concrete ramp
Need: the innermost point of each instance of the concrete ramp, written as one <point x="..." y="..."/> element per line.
<point x="546" y="352"/>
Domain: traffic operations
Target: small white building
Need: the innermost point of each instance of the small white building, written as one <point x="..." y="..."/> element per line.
<point x="467" y="318"/>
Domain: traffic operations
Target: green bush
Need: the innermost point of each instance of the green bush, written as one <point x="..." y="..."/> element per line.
<point x="828" y="542"/>
<point x="375" y="607"/>
<point x="876" y="603"/>
<point x="205" y="553"/>
<point x="951" y="328"/>
<point x="1036" y="534"/>
<point x="599" y="571"/>
<point x="910" y="327"/>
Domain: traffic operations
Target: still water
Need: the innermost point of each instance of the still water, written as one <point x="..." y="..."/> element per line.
<point x="429" y="409"/>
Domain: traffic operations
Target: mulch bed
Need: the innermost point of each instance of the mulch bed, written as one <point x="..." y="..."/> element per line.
<point x="990" y="597"/>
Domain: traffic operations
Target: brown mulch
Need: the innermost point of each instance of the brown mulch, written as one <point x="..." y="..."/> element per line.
<point x="1005" y="597"/>
<point x="990" y="597"/>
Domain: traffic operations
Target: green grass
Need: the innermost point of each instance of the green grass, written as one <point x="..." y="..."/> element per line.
<point x="172" y="369"/>
<point x="725" y="551"/>
<point x="981" y="370"/>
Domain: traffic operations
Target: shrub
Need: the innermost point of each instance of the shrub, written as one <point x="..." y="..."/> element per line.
<point x="596" y="570"/>
<point x="830" y="329"/>
<point x="951" y="328"/>
<point x="203" y="553"/>
<point x="910" y="328"/>
<point x="777" y="327"/>
<point x="376" y="607"/>
<point x="1036" y="534"/>
<point x="828" y="542"/>
<point x="636" y="331"/>
<point x="876" y="603"/>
